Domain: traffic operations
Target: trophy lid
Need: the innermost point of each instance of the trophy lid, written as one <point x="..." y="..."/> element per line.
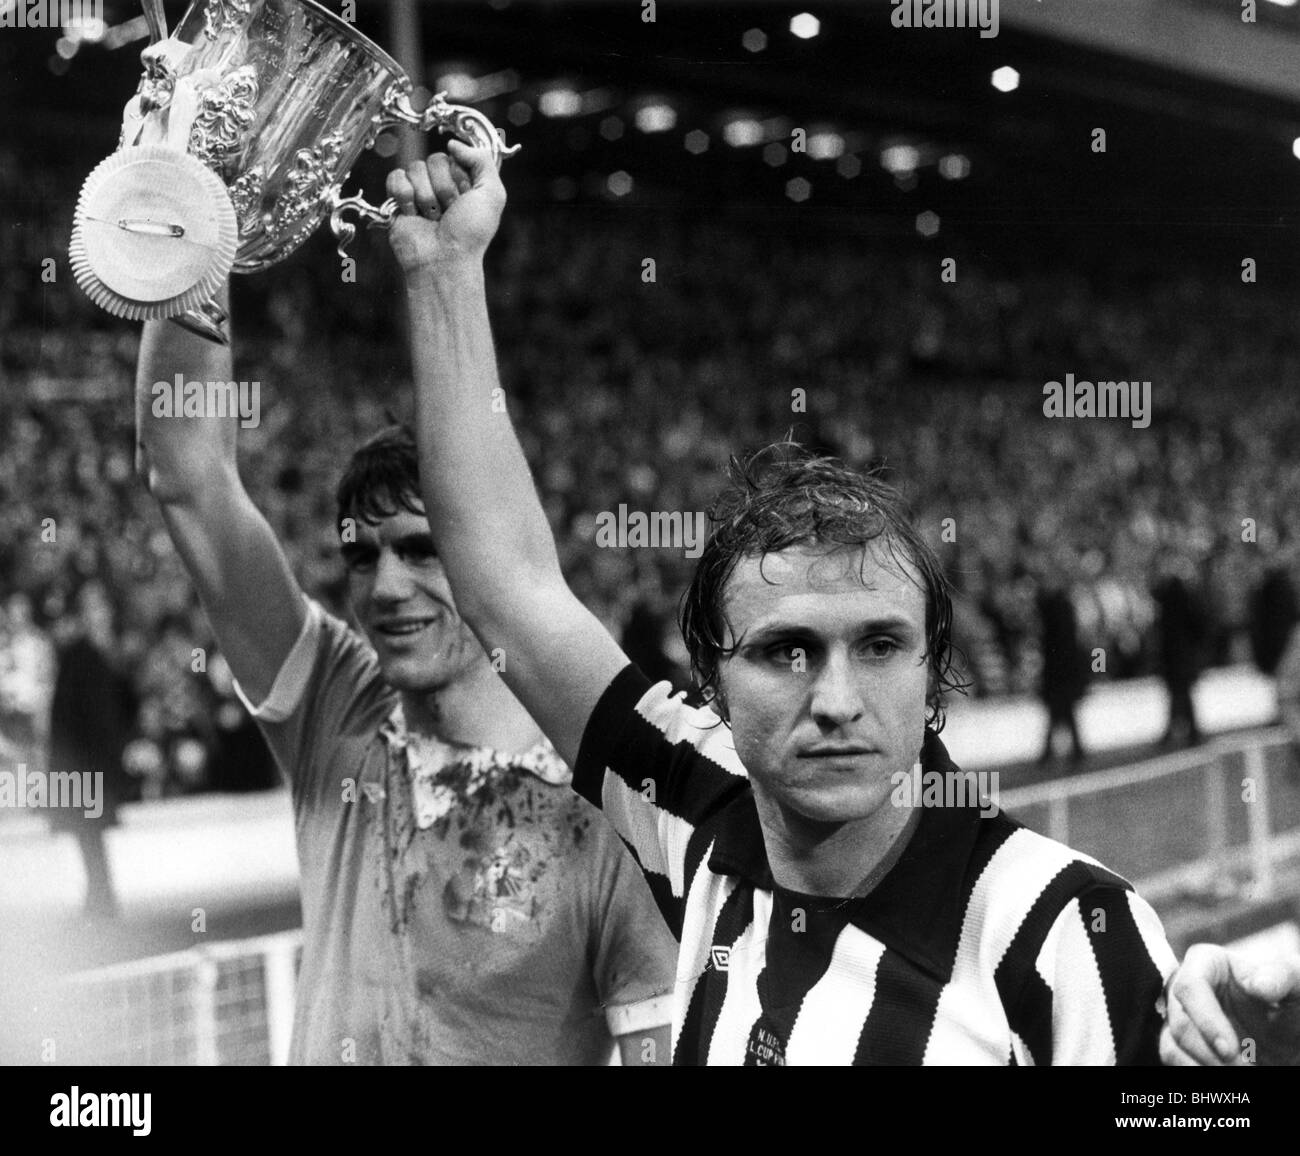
<point x="154" y="233"/>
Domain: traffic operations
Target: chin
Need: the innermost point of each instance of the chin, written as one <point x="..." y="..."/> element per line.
<point x="837" y="804"/>
<point x="415" y="675"/>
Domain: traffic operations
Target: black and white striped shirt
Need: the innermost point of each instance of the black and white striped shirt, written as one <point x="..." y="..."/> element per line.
<point x="984" y="944"/>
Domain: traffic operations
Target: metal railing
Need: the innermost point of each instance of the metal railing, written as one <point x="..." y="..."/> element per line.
<point x="229" y="1002"/>
<point x="1194" y="820"/>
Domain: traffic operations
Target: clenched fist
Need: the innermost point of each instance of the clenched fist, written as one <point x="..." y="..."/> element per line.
<point x="449" y="207"/>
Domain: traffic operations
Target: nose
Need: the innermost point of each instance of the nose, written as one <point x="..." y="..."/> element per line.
<point x="392" y="582"/>
<point x="836" y="697"/>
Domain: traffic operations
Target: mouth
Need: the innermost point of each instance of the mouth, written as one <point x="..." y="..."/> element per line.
<point x="399" y="630"/>
<point x="836" y="752"/>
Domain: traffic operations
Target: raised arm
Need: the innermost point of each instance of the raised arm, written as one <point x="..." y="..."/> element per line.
<point x="231" y="553"/>
<point x="491" y="532"/>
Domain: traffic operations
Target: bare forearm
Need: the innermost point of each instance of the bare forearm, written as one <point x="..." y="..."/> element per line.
<point x="478" y="489"/>
<point x="488" y="525"/>
<point x="176" y="453"/>
<point x="189" y="463"/>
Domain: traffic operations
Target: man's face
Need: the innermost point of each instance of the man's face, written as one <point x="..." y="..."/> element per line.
<point x="19" y="610"/>
<point x="401" y="599"/>
<point x="827" y="688"/>
<point x="96" y="612"/>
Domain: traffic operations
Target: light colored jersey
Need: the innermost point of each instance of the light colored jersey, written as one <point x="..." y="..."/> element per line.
<point x="459" y="906"/>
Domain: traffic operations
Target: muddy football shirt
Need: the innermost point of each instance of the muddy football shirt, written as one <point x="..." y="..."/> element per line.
<point x="459" y="906"/>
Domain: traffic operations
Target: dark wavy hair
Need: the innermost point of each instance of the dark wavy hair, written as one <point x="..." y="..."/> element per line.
<point x="382" y="478"/>
<point x="782" y="496"/>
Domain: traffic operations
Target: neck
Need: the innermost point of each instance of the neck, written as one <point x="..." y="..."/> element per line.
<point x="475" y="710"/>
<point x="833" y="859"/>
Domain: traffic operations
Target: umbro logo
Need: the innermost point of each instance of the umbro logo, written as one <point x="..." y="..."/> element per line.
<point x="720" y="957"/>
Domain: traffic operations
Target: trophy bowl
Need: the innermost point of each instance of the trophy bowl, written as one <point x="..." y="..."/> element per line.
<point x="278" y="99"/>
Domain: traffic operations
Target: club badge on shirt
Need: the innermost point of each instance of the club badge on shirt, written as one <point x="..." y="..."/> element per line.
<point x="765" y="1048"/>
<point x="499" y="895"/>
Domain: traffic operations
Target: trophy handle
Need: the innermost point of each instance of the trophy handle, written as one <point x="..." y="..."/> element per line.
<point x="378" y="218"/>
<point x="156" y="18"/>
<point x="468" y="124"/>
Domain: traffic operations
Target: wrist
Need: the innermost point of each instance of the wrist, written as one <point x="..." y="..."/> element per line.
<point x="445" y="271"/>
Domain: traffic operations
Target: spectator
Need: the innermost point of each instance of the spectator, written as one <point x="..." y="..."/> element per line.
<point x="90" y="723"/>
<point x="1273" y="614"/>
<point x="1181" y="631"/>
<point x="1065" y="671"/>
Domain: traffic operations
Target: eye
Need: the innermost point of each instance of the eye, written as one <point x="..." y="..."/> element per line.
<point x="786" y="653"/>
<point x="359" y="560"/>
<point x="417" y="556"/>
<point x="883" y="648"/>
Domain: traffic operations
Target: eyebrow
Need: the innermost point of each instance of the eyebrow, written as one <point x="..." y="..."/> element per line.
<point x="417" y="541"/>
<point x="770" y="631"/>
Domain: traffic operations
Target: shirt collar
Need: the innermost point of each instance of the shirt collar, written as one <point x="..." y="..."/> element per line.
<point x="423" y="751"/>
<point x="916" y="909"/>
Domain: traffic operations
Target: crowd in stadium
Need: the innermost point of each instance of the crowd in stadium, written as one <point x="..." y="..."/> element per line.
<point x="632" y="382"/>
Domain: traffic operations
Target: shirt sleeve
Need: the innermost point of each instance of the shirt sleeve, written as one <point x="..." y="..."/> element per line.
<point x="635" y="955"/>
<point x="292" y="678"/>
<point x="328" y="691"/>
<point x="1103" y="966"/>
<point x="659" y="769"/>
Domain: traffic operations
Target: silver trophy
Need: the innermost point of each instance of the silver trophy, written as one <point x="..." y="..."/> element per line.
<point x="234" y="149"/>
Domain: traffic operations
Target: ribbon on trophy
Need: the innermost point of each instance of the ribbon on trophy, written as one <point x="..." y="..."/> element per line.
<point x="154" y="233"/>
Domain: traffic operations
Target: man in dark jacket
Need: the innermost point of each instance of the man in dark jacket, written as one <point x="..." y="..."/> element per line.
<point x="90" y="723"/>
<point x="1064" y="675"/>
<point x="1181" y="629"/>
<point x="1273" y="614"/>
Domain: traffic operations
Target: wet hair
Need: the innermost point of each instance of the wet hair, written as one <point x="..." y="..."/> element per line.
<point x="382" y="478"/>
<point x="784" y="496"/>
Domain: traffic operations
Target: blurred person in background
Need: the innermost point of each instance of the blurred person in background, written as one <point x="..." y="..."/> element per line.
<point x="1273" y="613"/>
<point x="460" y="904"/>
<point x="1181" y="634"/>
<point x="91" y="719"/>
<point x="1065" y="668"/>
<point x="1275" y="641"/>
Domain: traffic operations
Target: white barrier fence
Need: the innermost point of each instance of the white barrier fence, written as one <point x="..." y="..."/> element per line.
<point x="1215" y="819"/>
<point x="1219" y="819"/>
<point x="229" y="1002"/>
